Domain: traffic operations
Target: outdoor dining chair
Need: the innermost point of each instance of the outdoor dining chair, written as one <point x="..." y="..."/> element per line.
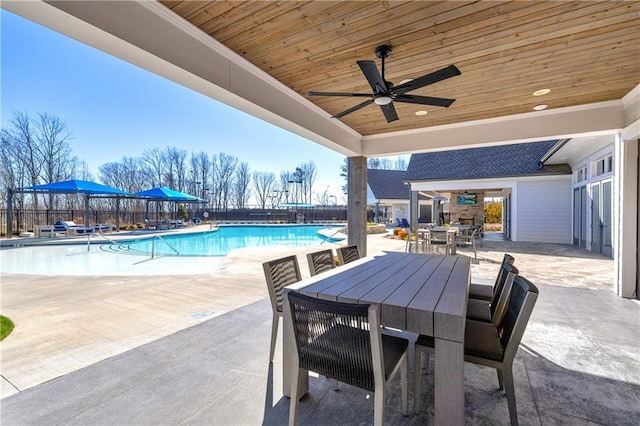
<point x="481" y="310"/>
<point x="484" y="289"/>
<point x="347" y="254"/>
<point x="279" y="273"/>
<point x="343" y="341"/>
<point x="488" y="345"/>
<point x="320" y="261"/>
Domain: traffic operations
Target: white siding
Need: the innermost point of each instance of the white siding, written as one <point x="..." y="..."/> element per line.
<point x="544" y="211"/>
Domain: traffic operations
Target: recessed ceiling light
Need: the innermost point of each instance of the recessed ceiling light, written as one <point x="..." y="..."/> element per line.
<point x="541" y="92"/>
<point x="540" y="107"/>
<point x="421" y="112"/>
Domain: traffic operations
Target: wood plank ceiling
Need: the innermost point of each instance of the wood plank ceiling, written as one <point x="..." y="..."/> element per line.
<point x="584" y="51"/>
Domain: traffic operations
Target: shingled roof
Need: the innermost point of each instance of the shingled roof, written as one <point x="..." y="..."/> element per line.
<point x="522" y="159"/>
<point x="388" y="184"/>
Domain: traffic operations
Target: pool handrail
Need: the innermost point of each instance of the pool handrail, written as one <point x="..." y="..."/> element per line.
<point x="153" y="245"/>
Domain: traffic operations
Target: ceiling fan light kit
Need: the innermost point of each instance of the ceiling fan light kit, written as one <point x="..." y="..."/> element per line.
<point x="385" y="94"/>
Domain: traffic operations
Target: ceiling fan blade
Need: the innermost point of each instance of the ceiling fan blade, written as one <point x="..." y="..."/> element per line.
<point x="353" y="95"/>
<point x="373" y="76"/>
<point x="425" y="100"/>
<point x="389" y="112"/>
<point x="425" y="80"/>
<point x="355" y="108"/>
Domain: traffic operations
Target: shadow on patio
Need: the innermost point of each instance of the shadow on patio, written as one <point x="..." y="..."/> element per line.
<point x="579" y="363"/>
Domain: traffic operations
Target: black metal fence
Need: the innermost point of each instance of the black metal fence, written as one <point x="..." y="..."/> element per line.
<point x="26" y="220"/>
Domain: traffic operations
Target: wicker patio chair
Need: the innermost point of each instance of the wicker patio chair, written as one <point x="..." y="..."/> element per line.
<point x="347" y="254"/>
<point x="488" y="345"/>
<point x="342" y="341"/>
<point x="320" y="261"/>
<point x="279" y="273"/>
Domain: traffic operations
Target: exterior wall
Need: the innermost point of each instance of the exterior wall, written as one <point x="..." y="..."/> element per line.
<point x="467" y="211"/>
<point x="543" y="211"/>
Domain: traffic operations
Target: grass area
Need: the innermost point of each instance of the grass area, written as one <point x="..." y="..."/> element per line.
<point x="6" y="327"/>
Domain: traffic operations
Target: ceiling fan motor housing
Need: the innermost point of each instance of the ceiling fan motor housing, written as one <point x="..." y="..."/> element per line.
<point x="383" y="51"/>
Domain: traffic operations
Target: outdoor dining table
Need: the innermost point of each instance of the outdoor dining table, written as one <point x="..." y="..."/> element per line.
<point x="419" y="293"/>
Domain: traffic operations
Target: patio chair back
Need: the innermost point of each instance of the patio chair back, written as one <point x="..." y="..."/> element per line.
<point x="348" y="254"/>
<point x="502" y="294"/>
<point x="486" y="290"/>
<point x="516" y="317"/>
<point x="342" y="341"/>
<point x="279" y="273"/>
<point x="320" y="261"/>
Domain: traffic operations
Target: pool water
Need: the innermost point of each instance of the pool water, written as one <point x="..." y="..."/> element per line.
<point x="227" y="238"/>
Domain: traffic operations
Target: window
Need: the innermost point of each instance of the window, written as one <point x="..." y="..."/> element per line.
<point x="604" y="165"/>
<point x="580" y="174"/>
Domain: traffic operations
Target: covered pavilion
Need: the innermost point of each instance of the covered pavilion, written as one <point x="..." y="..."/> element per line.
<point x="264" y="57"/>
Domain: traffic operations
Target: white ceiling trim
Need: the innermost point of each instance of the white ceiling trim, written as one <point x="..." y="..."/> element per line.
<point x="600" y="118"/>
<point x="479" y="184"/>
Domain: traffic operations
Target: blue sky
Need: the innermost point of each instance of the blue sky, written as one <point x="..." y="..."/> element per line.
<point x="115" y="109"/>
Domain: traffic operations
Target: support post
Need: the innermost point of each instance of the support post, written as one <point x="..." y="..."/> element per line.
<point x="357" y="203"/>
<point x="9" y="213"/>
<point x="413" y="211"/>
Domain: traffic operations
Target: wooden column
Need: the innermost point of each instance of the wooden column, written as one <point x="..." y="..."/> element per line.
<point x="357" y="203"/>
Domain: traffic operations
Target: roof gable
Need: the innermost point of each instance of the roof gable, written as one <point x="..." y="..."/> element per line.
<point x="388" y="184"/>
<point x="522" y="159"/>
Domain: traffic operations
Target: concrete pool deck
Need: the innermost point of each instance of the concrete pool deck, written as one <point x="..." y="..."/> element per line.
<point x="158" y="350"/>
<point x="67" y="322"/>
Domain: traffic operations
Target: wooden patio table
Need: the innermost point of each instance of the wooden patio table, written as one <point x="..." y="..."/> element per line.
<point x="419" y="293"/>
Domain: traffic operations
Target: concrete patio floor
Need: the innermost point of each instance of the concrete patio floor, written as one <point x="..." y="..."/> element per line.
<point x="194" y="349"/>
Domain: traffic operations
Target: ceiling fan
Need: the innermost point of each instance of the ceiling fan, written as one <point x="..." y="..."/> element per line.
<point x="385" y="94"/>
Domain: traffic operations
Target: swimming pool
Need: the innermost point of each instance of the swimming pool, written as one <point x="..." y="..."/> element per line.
<point x="225" y="239"/>
<point x="107" y="259"/>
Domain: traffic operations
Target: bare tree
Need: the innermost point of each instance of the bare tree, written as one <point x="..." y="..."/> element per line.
<point x="223" y="167"/>
<point x="386" y="164"/>
<point x="283" y="191"/>
<point x="201" y="170"/>
<point x="241" y="185"/>
<point x="263" y="183"/>
<point x="324" y="198"/>
<point x="373" y="163"/>
<point x="310" y="174"/>
<point x="401" y="163"/>
<point x="42" y="148"/>
<point x="175" y="168"/>
<point x="155" y="160"/>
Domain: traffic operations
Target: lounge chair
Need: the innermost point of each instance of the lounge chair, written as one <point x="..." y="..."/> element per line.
<point x="70" y="228"/>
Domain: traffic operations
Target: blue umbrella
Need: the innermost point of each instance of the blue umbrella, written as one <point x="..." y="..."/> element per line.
<point x="80" y="187"/>
<point x="77" y="187"/>
<point x="166" y="194"/>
